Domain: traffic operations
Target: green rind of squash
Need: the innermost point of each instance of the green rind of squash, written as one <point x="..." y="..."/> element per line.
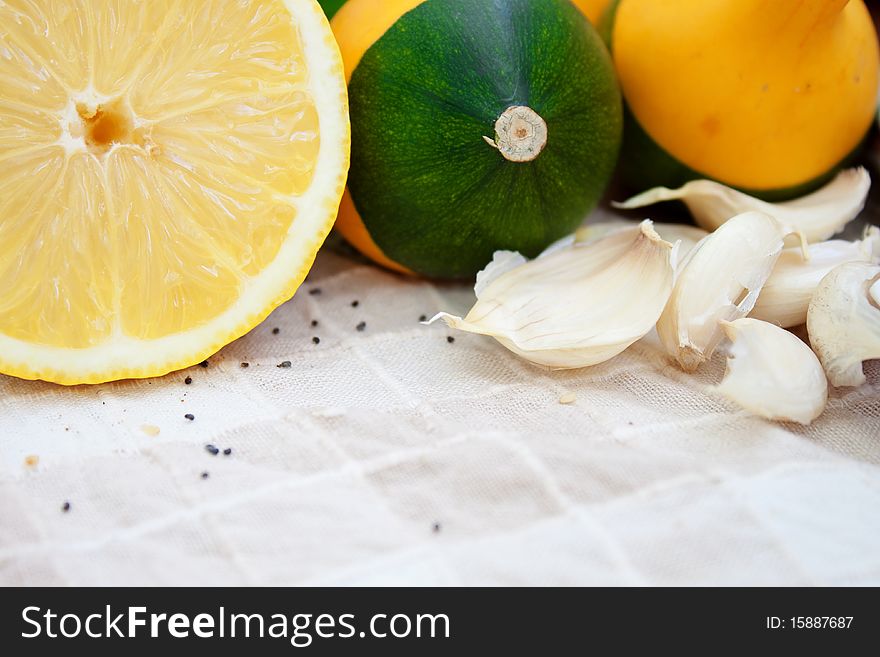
<point x="330" y="7"/>
<point x="645" y="164"/>
<point x="434" y="196"/>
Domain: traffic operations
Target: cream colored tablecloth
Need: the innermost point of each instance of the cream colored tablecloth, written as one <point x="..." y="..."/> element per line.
<point x="392" y="456"/>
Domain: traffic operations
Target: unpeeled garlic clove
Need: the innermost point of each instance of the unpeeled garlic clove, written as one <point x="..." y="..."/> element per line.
<point x="577" y="305"/>
<point x="786" y="295"/>
<point x="502" y="262"/>
<point x="818" y="216"/>
<point x="688" y="235"/>
<point x="720" y="282"/>
<point x="843" y="321"/>
<point x="772" y="373"/>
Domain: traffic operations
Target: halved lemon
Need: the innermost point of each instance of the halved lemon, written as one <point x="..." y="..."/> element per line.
<point x="168" y="171"/>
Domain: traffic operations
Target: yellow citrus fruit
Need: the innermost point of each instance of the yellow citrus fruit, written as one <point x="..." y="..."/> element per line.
<point x="168" y="171"/>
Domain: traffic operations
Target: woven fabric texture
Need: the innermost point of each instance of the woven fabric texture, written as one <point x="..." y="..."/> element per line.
<point x="392" y="455"/>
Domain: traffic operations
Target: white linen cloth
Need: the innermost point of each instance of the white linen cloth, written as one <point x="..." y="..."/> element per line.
<point x="393" y="456"/>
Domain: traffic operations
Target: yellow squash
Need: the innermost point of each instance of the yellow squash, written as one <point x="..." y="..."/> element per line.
<point x="761" y="94"/>
<point x="593" y="9"/>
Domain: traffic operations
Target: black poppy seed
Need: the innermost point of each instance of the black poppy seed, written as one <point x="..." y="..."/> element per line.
<point x="423" y="318"/>
<point x="205" y="474"/>
<point x="276" y="331"/>
<point x="204" y="363"/>
<point x="190" y="417"/>
<point x="355" y="303"/>
<point x="65" y="507"/>
<point x="450" y="339"/>
<point x="316" y="340"/>
<point x="227" y="451"/>
<point x="314" y="323"/>
<point x="284" y="365"/>
<point x="212" y="450"/>
<point x="315" y="291"/>
<point x="436" y="528"/>
<point x="245" y="365"/>
<point x="188" y="380"/>
<point x="362" y="326"/>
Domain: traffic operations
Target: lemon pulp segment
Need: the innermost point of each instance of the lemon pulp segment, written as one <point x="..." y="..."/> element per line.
<point x="163" y="183"/>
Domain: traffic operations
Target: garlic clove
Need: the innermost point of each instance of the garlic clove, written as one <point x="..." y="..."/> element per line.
<point x="502" y="262"/>
<point x="772" y="373"/>
<point x="579" y="305"/>
<point x="593" y="232"/>
<point x="590" y="233"/>
<point x="819" y="215"/>
<point x="843" y="321"/>
<point x="786" y="295"/>
<point x="720" y="282"/>
<point x="688" y="235"/>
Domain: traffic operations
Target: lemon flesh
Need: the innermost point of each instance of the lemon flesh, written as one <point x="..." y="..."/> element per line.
<point x="168" y="170"/>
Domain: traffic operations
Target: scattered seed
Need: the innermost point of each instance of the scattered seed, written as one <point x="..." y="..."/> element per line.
<point x="204" y="363"/>
<point x="361" y="326"/>
<point x="32" y="461"/>
<point x="436" y="528"/>
<point x="284" y="364"/>
<point x="450" y="339"/>
<point x="212" y="450"/>
<point x="205" y="475"/>
<point x="65" y="507"/>
<point x="245" y="365"/>
<point x="150" y="429"/>
<point x="314" y="323"/>
<point x="568" y="398"/>
<point x="355" y="303"/>
<point x="227" y="451"/>
<point x="276" y="331"/>
<point x="190" y="417"/>
<point x="188" y="380"/>
<point x="316" y="340"/>
<point x="315" y="291"/>
<point x="423" y="318"/>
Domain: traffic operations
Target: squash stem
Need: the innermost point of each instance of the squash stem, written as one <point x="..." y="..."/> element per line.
<point x="520" y="134"/>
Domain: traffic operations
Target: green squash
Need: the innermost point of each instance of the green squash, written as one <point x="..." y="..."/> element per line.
<point x="437" y="186"/>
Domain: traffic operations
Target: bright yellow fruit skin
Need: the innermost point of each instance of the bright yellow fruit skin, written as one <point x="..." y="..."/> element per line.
<point x="761" y="94"/>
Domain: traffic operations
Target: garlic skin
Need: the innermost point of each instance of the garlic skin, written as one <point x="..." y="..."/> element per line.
<point x="688" y="235"/>
<point x="720" y="282"/>
<point x="843" y="322"/>
<point x="771" y="373"/>
<point x="577" y="305"/>
<point x="502" y="262"/>
<point x="786" y="295"/>
<point x="818" y="216"/>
